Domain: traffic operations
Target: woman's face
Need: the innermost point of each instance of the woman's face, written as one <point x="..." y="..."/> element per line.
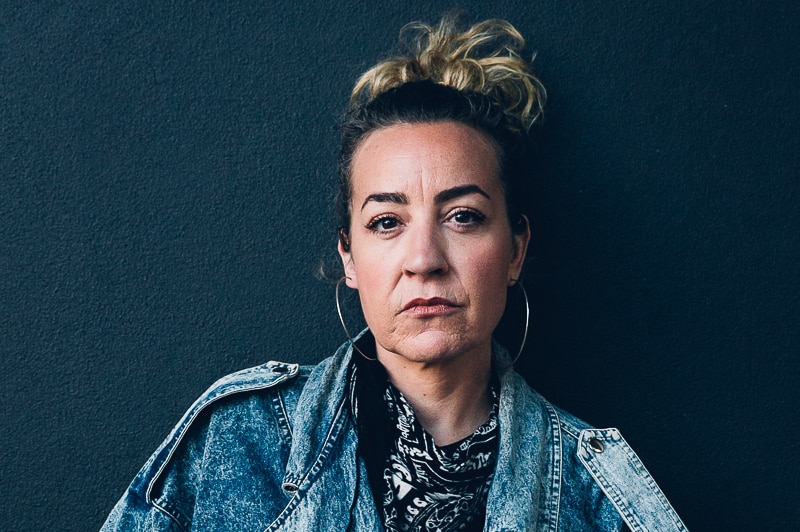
<point x="431" y="250"/>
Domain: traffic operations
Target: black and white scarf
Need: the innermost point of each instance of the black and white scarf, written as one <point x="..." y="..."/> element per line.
<point x="418" y="485"/>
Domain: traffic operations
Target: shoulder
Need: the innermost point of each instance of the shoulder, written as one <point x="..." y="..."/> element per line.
<point x="242" y="422"/>
<point x="598" y="464"/>
<point x="258" y="392"/>
<point x="595" y="468"/>
<point x="264" y="376"/>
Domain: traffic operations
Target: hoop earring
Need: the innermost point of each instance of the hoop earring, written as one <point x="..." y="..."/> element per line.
<point x="341" y="320"/>
<point x="527" y="321"/>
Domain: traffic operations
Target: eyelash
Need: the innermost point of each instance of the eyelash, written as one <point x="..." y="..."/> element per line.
<point x="476" y="217"/>
<point x="374" y="224"/>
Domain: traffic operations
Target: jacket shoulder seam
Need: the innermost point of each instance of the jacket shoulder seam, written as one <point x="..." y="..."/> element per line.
<point x="264" y="377"/>
<point x="622" y="474"/>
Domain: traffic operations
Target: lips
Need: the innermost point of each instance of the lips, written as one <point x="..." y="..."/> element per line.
<point x="435" y="306"/>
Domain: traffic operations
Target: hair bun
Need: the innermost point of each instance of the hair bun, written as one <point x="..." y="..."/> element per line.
<point x="484" y="58"/>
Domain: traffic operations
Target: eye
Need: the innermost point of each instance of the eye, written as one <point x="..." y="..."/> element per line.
<point x="383" y="224"/>
<point x="467" y="217"/>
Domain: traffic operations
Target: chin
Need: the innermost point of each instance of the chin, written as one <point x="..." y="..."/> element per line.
<point x="435" y="346"/>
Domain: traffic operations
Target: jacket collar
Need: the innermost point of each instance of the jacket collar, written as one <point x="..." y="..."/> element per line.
<point x="326" y="479"/>
<point x="320" y="416"/>
<point x="525" y="491"/>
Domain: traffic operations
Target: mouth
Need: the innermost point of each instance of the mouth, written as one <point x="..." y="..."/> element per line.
<point x="435" y="306"/>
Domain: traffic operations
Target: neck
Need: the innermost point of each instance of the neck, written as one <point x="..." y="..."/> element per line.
<point x="450" y="399"/>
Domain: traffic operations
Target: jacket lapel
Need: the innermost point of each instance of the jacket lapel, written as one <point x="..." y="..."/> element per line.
<point x="525" y="490"/>
<point x="327" y="478"/>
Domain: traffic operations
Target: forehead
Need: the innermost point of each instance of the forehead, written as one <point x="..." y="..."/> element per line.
<point x="406" y="157"/>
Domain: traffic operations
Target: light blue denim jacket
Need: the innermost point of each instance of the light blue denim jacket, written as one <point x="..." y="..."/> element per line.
<point x="274" y="448"/>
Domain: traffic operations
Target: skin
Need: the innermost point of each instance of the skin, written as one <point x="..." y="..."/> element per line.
<point x="432" y="254"/>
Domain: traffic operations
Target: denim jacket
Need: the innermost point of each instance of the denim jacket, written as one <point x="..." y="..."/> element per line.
<point x="274" y="448"/>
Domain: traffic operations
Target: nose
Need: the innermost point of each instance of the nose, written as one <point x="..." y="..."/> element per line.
<point x="425" y="251"/>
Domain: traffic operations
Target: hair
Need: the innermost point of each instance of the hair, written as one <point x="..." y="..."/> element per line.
<point x="474" y="76"/>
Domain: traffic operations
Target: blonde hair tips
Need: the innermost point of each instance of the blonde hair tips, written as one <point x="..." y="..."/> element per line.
<point x="485" y="58"/>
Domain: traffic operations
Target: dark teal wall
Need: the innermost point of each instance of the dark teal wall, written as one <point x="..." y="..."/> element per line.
<point x="165" y="182"/>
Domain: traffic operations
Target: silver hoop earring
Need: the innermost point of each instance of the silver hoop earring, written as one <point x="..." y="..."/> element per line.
<point x="341" y="320"/>
<point x="527" y="321"/>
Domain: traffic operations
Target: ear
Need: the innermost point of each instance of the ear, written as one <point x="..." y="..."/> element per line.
<point x="349" y="267"/>
<point x="520" y="248"/>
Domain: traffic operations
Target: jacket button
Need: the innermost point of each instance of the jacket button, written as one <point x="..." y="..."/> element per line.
<point x="596" y="445"/>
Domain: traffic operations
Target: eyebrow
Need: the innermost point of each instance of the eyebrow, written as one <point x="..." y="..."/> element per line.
<point x="457" y="192"/>
<point x="441" y="197"/>
<point x="386" y="197"/>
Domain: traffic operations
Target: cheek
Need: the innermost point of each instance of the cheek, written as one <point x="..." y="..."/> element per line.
<point x="488" y="292"/>
<point x="373" y="283"/>
<point x="488" y="282"/>
<point x="368" y="266"/>
<point x="489" y="264"/>
<point x="489" y="288"/>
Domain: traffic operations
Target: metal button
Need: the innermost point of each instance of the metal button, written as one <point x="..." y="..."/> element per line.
<point x="596" y="445"/>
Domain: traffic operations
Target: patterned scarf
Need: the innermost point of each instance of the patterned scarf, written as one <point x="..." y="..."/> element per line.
<point x="418" y="485"/>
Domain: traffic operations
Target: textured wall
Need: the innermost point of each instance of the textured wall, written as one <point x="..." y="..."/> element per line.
<point x="165" y="181"/>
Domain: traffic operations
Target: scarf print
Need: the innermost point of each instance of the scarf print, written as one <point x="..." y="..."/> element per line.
<point x="431" y="488"/>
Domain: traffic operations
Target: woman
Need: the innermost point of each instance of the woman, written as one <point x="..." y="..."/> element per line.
<point x="419" y="423"/>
